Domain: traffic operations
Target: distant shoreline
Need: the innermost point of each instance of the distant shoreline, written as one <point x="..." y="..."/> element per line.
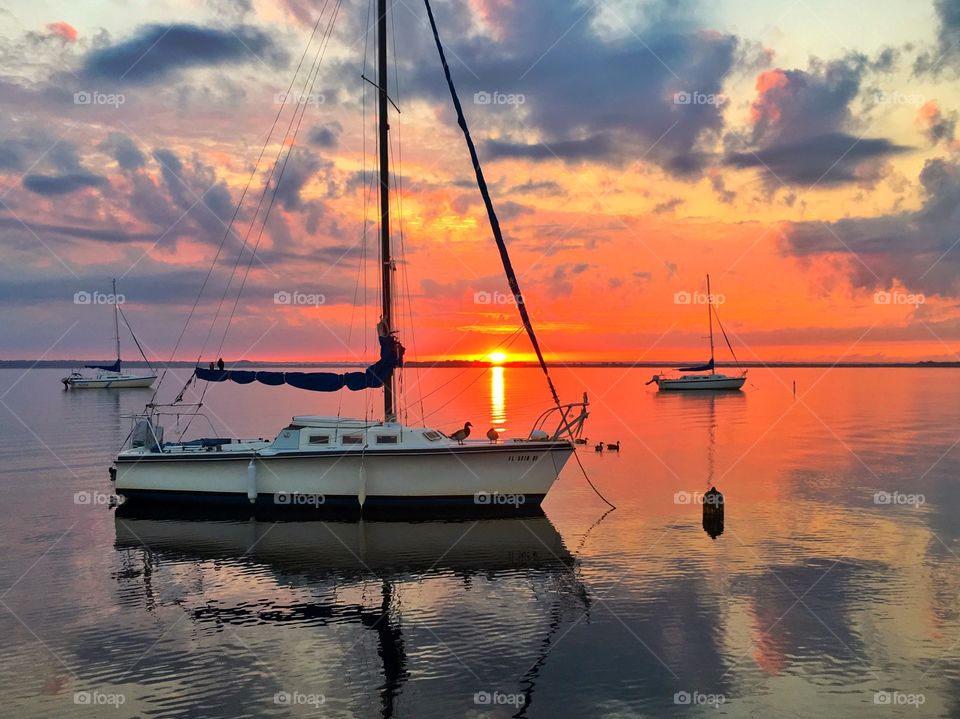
<point x="71" y="364"/>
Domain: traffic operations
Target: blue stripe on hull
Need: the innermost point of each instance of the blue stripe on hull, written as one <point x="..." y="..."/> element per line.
<point x="300" y="506"/>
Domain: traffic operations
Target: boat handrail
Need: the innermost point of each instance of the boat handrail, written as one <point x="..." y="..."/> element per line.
<point x="154" y="413"/>
<point x="570" y="420"/>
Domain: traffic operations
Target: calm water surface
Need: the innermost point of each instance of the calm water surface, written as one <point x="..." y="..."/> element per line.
<point x="832" y="591"/>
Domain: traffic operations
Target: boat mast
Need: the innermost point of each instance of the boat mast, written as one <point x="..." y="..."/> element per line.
<point x="713" y="369"/>
<point x="389" y="412"/>
<point x="116" y="318"/>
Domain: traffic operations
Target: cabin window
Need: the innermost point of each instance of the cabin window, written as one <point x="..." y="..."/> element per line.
<point x="431" y="435"/>
<point x="352" y="439"/>
<point x="319" y="439"/>
<point x="387" y="439"/>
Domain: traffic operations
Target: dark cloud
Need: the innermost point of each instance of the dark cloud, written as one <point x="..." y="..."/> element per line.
<point x="299" y="169"/>
<point x="945" y="54"/>
<point x="597" y="147"/>
<point x="547" y="188"/>
<point x="802" y="123"/>
<point x="99" y="234"/>
<point x="561" y="280"/>
<point x="825" y="159"/>
<point x="62" y="184"/>
<point x="916" y="249"/>
<point x="936" y="125"/>
<point x="195" y="189"/>
<point x="719" y="186"/>
<point x="157" y="51"/>
<point x="586" y="96"/>
<point x="122" y="149"/>
<point x="326" y="136"/>
<point x="667" y="205"/>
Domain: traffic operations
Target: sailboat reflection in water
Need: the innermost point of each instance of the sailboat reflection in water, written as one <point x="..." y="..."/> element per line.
<point x="375" y="464"/>
<point x="312" y="579"/>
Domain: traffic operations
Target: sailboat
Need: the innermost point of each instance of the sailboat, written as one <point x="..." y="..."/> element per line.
<point x="366" y="464"/>
<point x="111" y="376"/>
<point x="711" y="381"/>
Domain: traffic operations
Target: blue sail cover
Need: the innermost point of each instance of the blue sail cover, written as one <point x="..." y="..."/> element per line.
<point x="699" y="368"/>
<point x="115" y="367"/>
<point x="376" y="375"/>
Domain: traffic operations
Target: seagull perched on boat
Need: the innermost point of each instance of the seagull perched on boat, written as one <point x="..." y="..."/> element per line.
<point x="598" y="447"/>
<point x="614" y="447"/>
<point x="220" y="364"/>
<point x="493" y="435"/>
<point x="462" y="434"/>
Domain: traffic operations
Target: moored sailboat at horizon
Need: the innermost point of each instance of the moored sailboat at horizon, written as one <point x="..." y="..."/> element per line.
<point x="711" y="381"/>
<point x="112" y="376"/>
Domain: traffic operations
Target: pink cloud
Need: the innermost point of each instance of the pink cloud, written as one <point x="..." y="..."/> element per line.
<point x="63" y="29"/>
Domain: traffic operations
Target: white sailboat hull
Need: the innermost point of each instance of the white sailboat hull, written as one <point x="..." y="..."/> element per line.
<point x="119" y="381"/>
<point x="701" y="382"/>
<point x="479" y="475"/>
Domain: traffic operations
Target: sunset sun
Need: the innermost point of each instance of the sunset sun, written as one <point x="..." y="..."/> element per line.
<point x="497" y="357"/>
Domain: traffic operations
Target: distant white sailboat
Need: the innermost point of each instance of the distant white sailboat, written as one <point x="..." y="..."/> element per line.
<point x="111" y="376"/>
<point x="358" y="463"/>
<point x="711" y="381"/>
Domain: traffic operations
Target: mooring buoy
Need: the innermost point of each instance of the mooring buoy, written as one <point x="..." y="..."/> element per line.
<point x="713" y="513"/>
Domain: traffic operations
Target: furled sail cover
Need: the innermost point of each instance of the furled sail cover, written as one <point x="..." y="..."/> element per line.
<point x="700" y="367"/>
<point x="115" y="367"/>
<point x="376" y="375"/>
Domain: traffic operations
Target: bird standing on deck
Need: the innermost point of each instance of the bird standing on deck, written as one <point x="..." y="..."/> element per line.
<point x="220" y="363"/>
<point x="462" y="434"/>
<point x="614" y="447"/>
<point x="493" y="435"/>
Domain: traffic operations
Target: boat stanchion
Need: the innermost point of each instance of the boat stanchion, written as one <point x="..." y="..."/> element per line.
<point x="112" y="471"/>
<point x="713" y="513"/>
<point x="252" y="482"/>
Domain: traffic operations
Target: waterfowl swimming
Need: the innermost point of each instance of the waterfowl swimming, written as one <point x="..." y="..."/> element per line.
<point x="614" y="447"/>
<point x="462" y="434"/>
<point x="581" y="440"/>
<point x="598" y="447"/>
